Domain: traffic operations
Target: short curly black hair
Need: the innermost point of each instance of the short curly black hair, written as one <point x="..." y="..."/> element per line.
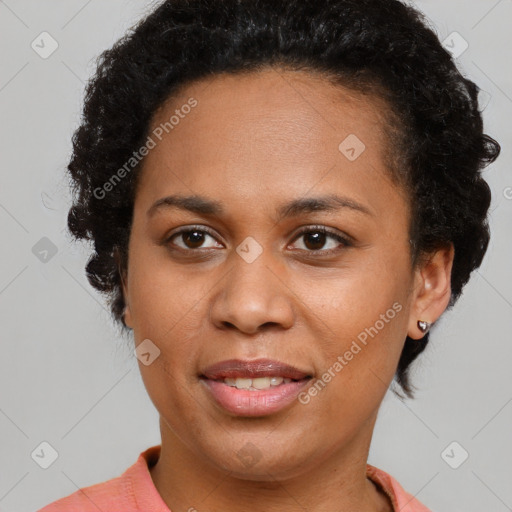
<point x="380" y="46"/>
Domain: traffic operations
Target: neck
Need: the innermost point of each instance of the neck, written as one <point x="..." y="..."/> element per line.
<point x="189" y="483"/>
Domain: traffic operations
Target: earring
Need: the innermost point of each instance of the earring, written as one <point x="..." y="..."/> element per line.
<point x="423" y="326"/>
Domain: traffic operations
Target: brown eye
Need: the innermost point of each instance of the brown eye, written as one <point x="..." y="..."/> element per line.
<point x="192" y="238"/>
<point x="321" y="240"/>
<point x="314" y="240"/>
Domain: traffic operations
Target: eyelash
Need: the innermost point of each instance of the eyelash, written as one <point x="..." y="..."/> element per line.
<point x="322" y="229"/>
<point x="345" y="241"/>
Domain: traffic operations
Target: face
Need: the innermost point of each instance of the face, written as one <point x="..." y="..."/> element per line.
<point x="279" y="297"/>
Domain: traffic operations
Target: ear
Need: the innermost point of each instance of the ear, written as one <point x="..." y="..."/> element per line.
<point x="432" y="289"/>
<point x="127" y="316"/>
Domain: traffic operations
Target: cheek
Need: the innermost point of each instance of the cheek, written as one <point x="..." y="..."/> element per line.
<point x="167" y="308"/>
<point x="366" y="315"/>
<point x="353" y="300"/>
<point x="358" y="366"/>
<point x="163" y="298"/>
<point x="172" y="395"/>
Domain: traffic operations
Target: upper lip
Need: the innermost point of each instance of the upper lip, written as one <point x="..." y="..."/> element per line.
<point x="238" y="368"/>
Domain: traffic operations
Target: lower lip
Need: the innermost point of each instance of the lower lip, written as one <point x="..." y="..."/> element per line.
<point x="242" y="402"/>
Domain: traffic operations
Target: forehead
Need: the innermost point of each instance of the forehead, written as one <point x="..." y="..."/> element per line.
<point x="268" y="129"/>
<point x="273" y="106"/>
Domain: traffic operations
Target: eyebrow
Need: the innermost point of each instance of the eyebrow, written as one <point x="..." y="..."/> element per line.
<point x="202" y="205"/>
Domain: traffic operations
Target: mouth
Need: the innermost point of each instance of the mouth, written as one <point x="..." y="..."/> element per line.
<point x="253" y="388"/>
<point x="256" y="384"/>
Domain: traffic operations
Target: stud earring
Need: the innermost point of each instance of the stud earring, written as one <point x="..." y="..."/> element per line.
<point x="423" y="326"/>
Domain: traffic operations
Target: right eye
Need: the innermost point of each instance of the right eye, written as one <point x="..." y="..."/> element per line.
<point x="191" y="238"/>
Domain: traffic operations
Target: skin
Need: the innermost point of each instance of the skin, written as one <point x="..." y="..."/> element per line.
<point x="252" y="143"/>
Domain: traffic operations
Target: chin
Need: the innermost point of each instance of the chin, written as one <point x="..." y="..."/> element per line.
<point x="246" y="461"/>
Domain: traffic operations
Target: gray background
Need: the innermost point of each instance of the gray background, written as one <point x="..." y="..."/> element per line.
<point x="67" y="378"/>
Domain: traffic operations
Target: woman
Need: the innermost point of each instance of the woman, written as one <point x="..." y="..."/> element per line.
<point x="284" y="197"/>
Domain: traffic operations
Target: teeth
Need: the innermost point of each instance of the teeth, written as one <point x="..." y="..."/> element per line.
<point x="243" y="383"/>
<point x="261" y="383"/>
<point x="275" y="381"/>
<point x="257" y="383"/>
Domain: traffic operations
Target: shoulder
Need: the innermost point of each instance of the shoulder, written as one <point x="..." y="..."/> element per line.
<point x="124" y="493"/>
<point x="110" y="494"/>
<point x="402" y="500"/>
<point x="130" y="492"/>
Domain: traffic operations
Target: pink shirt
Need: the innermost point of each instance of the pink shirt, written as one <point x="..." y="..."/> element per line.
<point x="134" y="491"/>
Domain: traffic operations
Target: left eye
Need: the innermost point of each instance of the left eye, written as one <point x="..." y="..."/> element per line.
<point x="316" y="239"/>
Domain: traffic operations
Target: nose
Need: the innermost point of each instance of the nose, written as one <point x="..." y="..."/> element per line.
<point x="253" y="297"/>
